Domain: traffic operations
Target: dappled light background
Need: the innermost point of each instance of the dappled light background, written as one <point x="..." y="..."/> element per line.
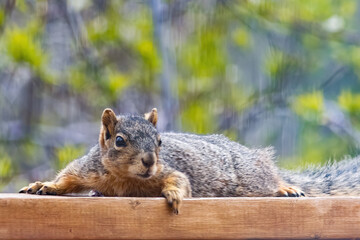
<point x="280" y="73"/>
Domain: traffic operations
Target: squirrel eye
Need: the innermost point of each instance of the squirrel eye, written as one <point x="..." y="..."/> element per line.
<point x="159" y="143"/>
<point x="120" y="142"/>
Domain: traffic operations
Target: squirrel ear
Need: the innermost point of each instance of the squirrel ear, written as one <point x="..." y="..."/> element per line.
<point x="108" y="122"/>
<point x="152" y="116"/>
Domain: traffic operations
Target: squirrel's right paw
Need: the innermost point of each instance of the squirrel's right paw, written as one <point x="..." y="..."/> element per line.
<point x="32" y="188"/>
<point x="47" y="188"/>
<point x="174" y="199"/>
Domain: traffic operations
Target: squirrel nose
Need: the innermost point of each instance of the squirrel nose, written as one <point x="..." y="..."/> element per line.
<point x="148" y="160"/>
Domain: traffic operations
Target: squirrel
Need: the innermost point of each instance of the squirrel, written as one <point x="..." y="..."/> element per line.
<point x="132" y="159"/>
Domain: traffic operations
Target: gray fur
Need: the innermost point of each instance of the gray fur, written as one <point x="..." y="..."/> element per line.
<point x="337" y="178"/>
<point x="140" y="132"/>
<point x="218" y="167"/>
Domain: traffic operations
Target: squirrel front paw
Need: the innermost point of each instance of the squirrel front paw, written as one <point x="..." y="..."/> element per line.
<point x="174" y="199"/>
<point x="47" y="188"/>
<point x="285" y="191"/>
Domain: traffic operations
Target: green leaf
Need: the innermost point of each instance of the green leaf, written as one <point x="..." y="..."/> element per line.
<point x="310" y="106"/>
<point x="241" y="37"/>
<point x="349" y="101"/>
<point x="197" y="118"/>
<point x="2" y="18"/>
<point x="68" y="153"/>
<point x="117" y="82"/>
<point x="6" y="167"/>
<point x="23" y="48"/>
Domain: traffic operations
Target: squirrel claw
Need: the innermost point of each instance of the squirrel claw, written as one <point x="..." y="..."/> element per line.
<point x="289" y="192"/>
<point x="175" y="206"/>
<point x="173" y="198"/>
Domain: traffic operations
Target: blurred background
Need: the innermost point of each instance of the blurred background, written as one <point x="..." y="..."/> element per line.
<point x="262" y="72"/>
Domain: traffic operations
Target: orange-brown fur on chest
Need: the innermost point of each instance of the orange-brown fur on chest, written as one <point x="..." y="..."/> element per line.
<point x="118" y="182"/>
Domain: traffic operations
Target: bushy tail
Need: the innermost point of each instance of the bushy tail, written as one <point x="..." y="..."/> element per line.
<point x="338" y="178"/>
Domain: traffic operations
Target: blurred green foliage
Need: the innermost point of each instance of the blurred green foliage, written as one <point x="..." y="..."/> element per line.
<point x="2" y="18"/>
<point x="22" y="48"/>
<point x="66" y="154"/>
<point x="310" y="106"/>
<point x="350" y="101"/>
<point x="235" y="66"/>
<point x="6" y="167"/>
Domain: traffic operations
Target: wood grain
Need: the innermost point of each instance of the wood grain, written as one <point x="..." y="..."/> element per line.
<point x="25" y="216"/>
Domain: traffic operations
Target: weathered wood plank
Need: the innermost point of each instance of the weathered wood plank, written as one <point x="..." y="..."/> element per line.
<point x="25" y="216"/>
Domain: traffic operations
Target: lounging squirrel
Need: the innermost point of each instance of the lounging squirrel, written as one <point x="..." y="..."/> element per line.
<point x="133" y="159"/>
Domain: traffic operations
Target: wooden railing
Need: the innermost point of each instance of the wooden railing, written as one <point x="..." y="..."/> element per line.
<point x="24" y="216"/>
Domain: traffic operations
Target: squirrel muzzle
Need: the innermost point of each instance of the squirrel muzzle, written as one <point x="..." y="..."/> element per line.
<point x="146" y="165"/>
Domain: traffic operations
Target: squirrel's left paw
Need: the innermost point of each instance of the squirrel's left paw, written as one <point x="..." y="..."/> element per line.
<point x="174" y="199"/>
<point x="32" y="188"/>
<point x="289" y="192"/>
<point x="40" y="188"/>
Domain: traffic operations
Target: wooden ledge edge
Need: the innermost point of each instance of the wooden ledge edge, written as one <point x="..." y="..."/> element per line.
<point x="25" y="216"/>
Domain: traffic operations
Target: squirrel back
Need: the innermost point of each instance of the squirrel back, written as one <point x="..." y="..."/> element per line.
<point x="218" y="167"/>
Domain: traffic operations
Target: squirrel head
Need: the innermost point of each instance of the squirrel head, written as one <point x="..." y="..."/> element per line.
<point x="130" y="144"/>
